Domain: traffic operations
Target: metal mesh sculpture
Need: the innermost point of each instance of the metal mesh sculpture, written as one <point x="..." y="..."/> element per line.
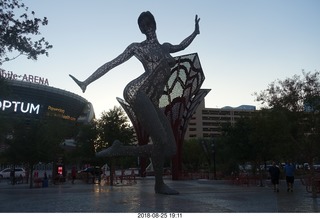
<point x="181" y="97"/>
<point x="143" y="95"/>
<point x="180" y="100"/>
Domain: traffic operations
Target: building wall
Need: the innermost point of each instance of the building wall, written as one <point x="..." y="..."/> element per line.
<point x="208" y="122"/>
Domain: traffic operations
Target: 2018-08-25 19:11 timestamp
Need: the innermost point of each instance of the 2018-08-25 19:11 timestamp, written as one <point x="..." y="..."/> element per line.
<point x="159" y="215"/>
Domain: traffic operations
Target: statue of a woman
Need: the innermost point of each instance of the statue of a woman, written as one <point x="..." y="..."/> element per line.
<point x="144" y="92"/>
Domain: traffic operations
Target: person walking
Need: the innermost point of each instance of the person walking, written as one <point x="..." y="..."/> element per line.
<point x="12" y="176"/>
<point x="274" y="174"/>
<point x="289" y="171"/>
<point x="73" y="174"/>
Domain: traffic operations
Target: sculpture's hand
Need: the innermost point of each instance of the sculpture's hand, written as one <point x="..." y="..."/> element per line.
<point x="197" y="29"/>
<point x="81" y="84"/>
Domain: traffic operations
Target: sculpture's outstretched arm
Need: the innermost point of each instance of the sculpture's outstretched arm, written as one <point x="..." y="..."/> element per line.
<point x="127" y="54"/>
<point x="187" y="41"/>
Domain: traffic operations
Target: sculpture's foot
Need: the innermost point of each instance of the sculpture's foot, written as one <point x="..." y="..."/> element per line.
<point x="116" y="149"/>
<point x="166" y="190"/>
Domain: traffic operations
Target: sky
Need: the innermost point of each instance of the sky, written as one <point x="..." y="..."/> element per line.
<point x="243" y="46"/>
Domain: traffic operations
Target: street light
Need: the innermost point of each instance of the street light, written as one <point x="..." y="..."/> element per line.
<point x="206" y="148"/>
<point x="214" y="160"/>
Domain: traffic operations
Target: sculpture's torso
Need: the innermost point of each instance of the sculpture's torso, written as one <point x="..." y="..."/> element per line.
<point x="157" y="63"/>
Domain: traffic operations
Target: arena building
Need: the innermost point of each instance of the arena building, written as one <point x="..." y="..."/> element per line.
<point x="31" y="96"/>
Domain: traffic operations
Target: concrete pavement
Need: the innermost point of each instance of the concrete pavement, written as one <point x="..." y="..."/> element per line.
<point x="196" y="196"/>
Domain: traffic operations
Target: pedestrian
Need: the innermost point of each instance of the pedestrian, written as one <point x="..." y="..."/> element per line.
<point x="274" y="174"/>
<point x="12" y="176"/>
<point x="289" y="171"/>
<point x="73" y="174"/>
<point x="98" y="173"/>
<point x="45" y="180"/>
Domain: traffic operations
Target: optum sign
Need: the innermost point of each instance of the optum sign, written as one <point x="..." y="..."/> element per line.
<point x="19" y="107"/>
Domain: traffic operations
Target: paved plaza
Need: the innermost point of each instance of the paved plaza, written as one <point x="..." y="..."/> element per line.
<point x="196" y="196"/>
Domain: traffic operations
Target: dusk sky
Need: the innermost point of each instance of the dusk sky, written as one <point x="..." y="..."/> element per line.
<point x="243" y="45"/>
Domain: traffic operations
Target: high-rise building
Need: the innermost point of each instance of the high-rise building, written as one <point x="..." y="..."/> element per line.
<point x="208" y="122"/>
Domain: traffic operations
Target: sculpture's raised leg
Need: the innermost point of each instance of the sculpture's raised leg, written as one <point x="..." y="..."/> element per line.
<point x="118" y="149"/>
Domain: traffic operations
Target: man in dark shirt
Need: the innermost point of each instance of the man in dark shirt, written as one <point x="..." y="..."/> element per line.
<point x="274" y="174"/>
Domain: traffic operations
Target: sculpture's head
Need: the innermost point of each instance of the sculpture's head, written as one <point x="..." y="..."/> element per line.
<point x="147" y="22"/>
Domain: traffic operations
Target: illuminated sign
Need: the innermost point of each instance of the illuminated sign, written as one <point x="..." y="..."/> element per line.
<point x="58" y="112"/>
<point x="60" y="170"/>
<point x="18" y="106"/>
<point x="30" y="108"/>
<point x="28" y="78"/>
<point x="56" y="109"/>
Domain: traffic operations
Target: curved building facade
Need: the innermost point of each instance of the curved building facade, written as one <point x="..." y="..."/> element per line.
<point x="37" y="101"/>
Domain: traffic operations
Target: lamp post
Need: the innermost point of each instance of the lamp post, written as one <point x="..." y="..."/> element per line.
<point x="206" y="149"/>
<point x="214" y="160"/>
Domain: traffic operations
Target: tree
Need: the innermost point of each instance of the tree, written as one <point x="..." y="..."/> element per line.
<point x="294" y="94"/>
<point x="238" y="140"/>
<point x="15" y="31"/>
<point x="194" y="156"/>
<point x="113" y="125"/>
<point x="85" y="151"/>
<point x="272" y="133"/>
<point x="299" y="99"/>
<point x="263" y="137"/>
<point x="35" y="141"/>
